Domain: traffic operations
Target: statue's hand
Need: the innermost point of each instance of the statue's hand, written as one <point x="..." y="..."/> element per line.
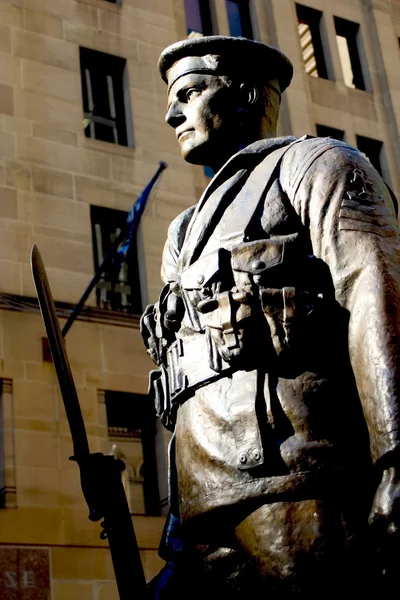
<point x="148" y="331"/>
<point x="384" y="520"/>
<point x="385" y="511"/>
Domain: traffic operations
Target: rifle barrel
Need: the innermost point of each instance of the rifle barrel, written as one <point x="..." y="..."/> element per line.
<point x="60" y="359"/>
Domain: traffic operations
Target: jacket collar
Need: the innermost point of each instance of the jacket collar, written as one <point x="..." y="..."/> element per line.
<point x="246" y="158"/>
<point x="232" y="171"/>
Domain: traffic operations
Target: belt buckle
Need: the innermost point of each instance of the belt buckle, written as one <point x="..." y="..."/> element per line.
<point x="177" y="380"/>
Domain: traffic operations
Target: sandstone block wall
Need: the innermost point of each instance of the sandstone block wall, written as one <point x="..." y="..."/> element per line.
<point x="50" y="174"/>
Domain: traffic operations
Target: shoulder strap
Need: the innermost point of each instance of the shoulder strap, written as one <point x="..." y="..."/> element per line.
<point x="255" y="189"/>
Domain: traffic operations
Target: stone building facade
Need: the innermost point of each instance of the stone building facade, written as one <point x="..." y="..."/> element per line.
<point x="81" y="134"/>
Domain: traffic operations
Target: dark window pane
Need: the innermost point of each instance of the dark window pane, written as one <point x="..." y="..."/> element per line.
<point x="105" y="133"/>
<point x="193" y="17"/>
<point x="310" y="41"/>
<point x="125" y="413"/>
<point x="324" y="131"/>
<point x="119" y="288"/>
<point x="103" y="96"/>
<point x="132" y="417"/>
<point x="372" y="150"/>
<point x="198" y="17"/>
<point x="239" y="18"/>
<point x="235" y="23"/>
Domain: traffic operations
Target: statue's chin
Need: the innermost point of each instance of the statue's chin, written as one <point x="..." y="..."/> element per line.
<point x="196" y="155"/>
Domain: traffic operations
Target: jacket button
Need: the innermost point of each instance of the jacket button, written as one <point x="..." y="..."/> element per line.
<point x="175" y="288"/>
<point x="243" y="459"/>
<point x="200" y="279"/>
<point x="257" y="265"/>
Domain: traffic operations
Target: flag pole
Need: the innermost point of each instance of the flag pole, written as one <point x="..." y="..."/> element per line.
<point x="126" y="231"/>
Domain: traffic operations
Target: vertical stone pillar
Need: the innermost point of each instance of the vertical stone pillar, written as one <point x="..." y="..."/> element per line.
<point x="295" y="110"/>
<point x="8" y="488"/>
<point x="384" y="66"/>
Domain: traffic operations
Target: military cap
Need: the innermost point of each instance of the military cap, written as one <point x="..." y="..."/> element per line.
<point x="236" y="56"/>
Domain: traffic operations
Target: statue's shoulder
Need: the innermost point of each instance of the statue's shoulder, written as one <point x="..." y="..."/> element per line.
<point x="321" y="154"/>
<point x="304" y="151"/>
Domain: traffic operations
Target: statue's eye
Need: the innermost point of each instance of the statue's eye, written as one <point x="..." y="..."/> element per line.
<point x="191" y="92"/>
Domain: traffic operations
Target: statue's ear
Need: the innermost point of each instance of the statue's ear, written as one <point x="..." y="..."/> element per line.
<point x="248" y="95"/>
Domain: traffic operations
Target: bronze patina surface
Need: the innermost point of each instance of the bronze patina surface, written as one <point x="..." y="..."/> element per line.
<point x="277" y="343"/>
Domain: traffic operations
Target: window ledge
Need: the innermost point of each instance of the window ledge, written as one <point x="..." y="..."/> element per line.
<point x="338" y="86"/>
<point x="64" y="309"/>
<point x="360" y="93"/>
<point x="102" y="4"/>
<point x="106" y="147"/>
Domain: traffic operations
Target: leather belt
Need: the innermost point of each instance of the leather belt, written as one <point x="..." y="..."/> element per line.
<point x="188" y="369"/>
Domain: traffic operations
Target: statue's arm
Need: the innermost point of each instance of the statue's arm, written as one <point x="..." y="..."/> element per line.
<point x="161" y="320"/>
<point x="158" y="320"/>
<point x="353" y="228"/>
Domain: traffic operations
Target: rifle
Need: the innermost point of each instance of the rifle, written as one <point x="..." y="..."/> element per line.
<point x="100" y="474"/>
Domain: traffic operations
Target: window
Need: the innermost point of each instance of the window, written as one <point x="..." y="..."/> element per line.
<point x="239" y="18"/>
<point x="372" y="150"/>
<point x="309" y="21"/>
<point x="208" y="172"/>
<point x="347" y="36"/>
<point x="105" y="94"/>
<point x="324" y="131"/>
<point x="131" y="431"/>
<point x="119" y="289"/>
<point x="198" y="17"/>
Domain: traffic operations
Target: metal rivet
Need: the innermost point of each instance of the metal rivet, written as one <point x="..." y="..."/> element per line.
<point x="200" y="279"/>
<point x="243" y="459"/>
<point x="257" y="265"/>
<point x="257" y="456"/>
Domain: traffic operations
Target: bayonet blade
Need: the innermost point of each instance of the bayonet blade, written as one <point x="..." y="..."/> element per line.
<point x="60" y="359"/>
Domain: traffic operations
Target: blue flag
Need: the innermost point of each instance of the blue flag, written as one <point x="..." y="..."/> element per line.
<point x="135" y="214"/>
<point x="114" y="259"/>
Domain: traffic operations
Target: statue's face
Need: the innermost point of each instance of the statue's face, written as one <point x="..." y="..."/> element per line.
<point x="203" y="112"/>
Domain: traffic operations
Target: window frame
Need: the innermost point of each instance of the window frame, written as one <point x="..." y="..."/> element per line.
<point x="313" y="18"/>
<point x="351" y="31"/>
<point x="100" y="70"/>
<point x="245" y="19"/>
<point x="204" y="14"/>
<point x="109" y="295"/>
<point x="146" y="432"/>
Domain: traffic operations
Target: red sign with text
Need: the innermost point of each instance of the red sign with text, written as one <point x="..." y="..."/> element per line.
<point x="24" y="574"/>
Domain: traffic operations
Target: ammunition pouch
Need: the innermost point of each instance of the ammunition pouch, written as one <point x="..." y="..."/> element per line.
<point x="290" y="285"/>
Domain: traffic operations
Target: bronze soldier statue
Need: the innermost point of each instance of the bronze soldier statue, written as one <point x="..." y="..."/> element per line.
<point x="277" y="343"/>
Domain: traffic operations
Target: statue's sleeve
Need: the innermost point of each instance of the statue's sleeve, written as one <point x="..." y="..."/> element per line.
<point x="353" y="227"/>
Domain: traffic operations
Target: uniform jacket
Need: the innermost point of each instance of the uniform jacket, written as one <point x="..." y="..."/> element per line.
<point x="282" y="362"/>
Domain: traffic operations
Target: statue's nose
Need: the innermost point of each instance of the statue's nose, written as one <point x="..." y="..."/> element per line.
<point x="174" y="116"/>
